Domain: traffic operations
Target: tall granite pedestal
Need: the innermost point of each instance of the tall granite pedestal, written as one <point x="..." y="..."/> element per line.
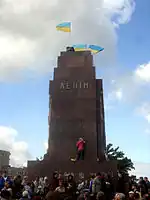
<point x="76" y="109"/>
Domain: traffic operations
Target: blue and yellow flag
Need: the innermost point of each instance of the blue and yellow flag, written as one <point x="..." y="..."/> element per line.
<point x="65" y="27"/>
<point x="80" y="47"/>
<point x="95" y="49"/>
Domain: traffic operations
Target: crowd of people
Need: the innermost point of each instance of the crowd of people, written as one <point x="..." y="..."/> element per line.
<point x="59" y="187"/>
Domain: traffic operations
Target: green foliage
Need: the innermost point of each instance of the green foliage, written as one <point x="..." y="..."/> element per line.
<point x="124" y="164"/>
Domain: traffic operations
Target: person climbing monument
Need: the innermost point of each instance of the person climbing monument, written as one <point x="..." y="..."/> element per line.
<point x="80" y="145"/>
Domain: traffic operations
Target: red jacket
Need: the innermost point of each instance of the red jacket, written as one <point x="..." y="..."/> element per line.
<point x="80" y="145"/>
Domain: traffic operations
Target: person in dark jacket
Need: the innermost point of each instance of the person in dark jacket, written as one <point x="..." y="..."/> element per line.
<point x="5" y="180"/>
<point x="2" y="182"/>
<point x="17" y="187"/>
<point x="55" y="181"/>
<point x="5" y="194"/>
<point x="72" y="188"/>
<point x="142" y="186"/>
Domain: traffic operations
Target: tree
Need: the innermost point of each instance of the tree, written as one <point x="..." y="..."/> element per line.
<point x="37" y="159"/>
<point x="41" y="158"/>
<point x="124" y="164"/>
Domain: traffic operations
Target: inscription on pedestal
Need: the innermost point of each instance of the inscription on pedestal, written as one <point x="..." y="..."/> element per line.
<point x="65" y="85"/>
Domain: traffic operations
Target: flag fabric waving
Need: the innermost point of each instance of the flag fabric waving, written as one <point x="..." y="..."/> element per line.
<point x="95" y="49"/>
<point x="84" y="47"/>
<point x="80" y="47"/>
<point x="65" y="27"/>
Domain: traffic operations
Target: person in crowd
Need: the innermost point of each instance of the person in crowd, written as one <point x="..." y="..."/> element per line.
<point x="91" y="182"/>
<point x="5" y="195"/>
<point x="36" y="184"/>
<point x="17" y="187"/>
<point x="25" y="180"/>
<point x="97" y="184"/>
<point x="25" y="195"/>
<point x="61" y="187"/>
<point x="72" y="187"/>
<point x="120" y="196"/>
<point x="46" y="186"/>
<point x="137" y="196"/>
<point x="131" y="195"/>
<point x="32" y="187"/>
<point x="40" y="191"/>
<point x="55" y="181"/>
<point x="2" y="182"/>
<point x="100" y="196"/>
<point x="52" y="195"/>
<point x="5" y="180"/>
<point x="147" y="182"/>
<point x="80" y="185"/>
<point x="10" y="191"/>
<point x="28" y="188"/>
<point x="142" y="186"/>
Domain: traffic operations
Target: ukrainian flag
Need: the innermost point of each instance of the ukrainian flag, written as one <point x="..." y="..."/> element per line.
<point x="80" y="47"/>
<point x="95" y="49"/>
<point x="65" y="27"/>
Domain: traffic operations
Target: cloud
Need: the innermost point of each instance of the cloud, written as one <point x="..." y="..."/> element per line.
<point x="116" y="95"/>
<point x="131" y="86"/>
<point x="144" y="111"/>
<point x="143" y="72"/>
<point x="29" y="40"/>
<point x="141" y="169"/>
<point x="45" y="146"/>
<point x="141" y="76"/>
<point x="121" y="9"/>
<point x="18" y="149"/>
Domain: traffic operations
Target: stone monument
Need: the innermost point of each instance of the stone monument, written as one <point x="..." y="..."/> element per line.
<point x="76" y="109"/>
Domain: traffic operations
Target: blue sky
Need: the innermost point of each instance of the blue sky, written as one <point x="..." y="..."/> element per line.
<point x="134" y="37"/>
<point x="122" y="125"/>
<point x="24" y="104"/>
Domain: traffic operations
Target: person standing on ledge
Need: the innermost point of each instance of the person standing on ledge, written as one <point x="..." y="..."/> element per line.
<point x="80" y="145"/>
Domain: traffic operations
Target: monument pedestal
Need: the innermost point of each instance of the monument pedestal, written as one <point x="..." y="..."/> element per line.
<point x="46" y="167"/>
<point x="76" y="111"/>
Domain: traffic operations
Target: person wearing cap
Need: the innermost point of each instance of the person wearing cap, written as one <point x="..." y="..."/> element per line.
<point x="25" y="195"/>
<point x="120" y="196"/>
<point x="80" y="145"/>
<point x="131" y="195"/>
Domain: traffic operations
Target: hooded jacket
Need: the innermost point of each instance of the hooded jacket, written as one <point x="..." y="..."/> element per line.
<point x="97" y="185"/>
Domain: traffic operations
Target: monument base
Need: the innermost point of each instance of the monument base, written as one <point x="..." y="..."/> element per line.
<point x="47" y="166"/>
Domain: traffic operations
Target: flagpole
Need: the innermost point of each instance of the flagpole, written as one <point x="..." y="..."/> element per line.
<point x="70" y="33"/>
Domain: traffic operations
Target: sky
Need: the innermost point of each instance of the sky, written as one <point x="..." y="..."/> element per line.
<point x="29" y="48"/>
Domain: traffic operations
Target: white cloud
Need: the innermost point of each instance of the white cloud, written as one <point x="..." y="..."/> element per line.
<point x="131" y="86"/>
<point x="118" y="94"/>
<point x="45" y="146"/>
<point x="144" y="110"/>
<point x="115" y="95"/>
<point x="143" y="72"/>
<point x="122" y="9"/>
<point x="141" y="169"/>
<point x="29" y="40"/>
<point x="18" y="149"/>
